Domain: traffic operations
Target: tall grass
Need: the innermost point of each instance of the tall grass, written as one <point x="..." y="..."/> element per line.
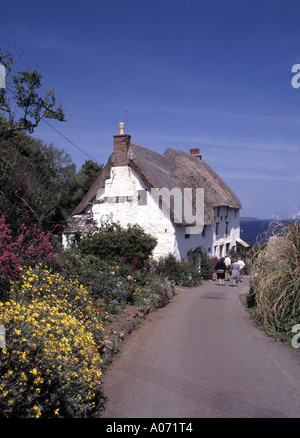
<point x="277" y="281"/>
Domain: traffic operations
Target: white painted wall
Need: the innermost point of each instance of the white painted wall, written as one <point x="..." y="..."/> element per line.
<point x="129" y="209"/>
<point x="220" y="236"/>
<point x="212" y="243"/>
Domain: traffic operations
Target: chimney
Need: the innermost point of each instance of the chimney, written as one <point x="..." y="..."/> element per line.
<point x="121" y="146"/>
<point x="196" y="153"/>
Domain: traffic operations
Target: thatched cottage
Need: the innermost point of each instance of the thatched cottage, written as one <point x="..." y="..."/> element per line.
<point x="136" y="187"/>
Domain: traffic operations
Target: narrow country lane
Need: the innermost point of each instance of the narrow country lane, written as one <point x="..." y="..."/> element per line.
<point x="203" y="357"/>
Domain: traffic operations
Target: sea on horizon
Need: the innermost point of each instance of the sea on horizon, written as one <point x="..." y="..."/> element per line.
<point x="254" y="230"/>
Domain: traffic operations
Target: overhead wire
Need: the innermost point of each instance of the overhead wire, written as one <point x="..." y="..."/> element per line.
<point x="62" y="135"/>
<point x="70" y="141"/>
<point x="96" y="136"/>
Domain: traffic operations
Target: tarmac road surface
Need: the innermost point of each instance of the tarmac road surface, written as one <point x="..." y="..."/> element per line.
<point x="202" y="356"/>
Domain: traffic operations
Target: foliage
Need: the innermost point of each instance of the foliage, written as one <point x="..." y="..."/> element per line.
<point x="183" y="273"/>
<point x="206" y="266"/>
<point x="111" y="282"/>
<point x="30" y="245"/>
<point x="87" y="175"/>
<point x="40" y="181"/>
<point x="234" y="255"/>
<point x="111" y="242"/>
<point x="251" y="296"/>
<point x="161" y="292"/>
<point x="119" y="284"/>
<point x="50" y="364"/>
<point x="25" y="89"/>
<point x="277" y="282"/>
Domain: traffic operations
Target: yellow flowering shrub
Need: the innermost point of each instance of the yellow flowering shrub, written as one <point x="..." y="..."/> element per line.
<point x="58" y="289"/>
<point x="50" y="366"/>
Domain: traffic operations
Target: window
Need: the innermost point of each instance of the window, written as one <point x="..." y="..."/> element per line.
<point x="226" y="228"/>
<point x="217" y="228"/>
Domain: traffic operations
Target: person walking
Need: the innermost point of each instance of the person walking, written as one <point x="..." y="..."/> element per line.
<point x="228" y="267"/>
<point x="242" y="266"/>
<point x="235" y="273"/>
<point x="220" y="269"/>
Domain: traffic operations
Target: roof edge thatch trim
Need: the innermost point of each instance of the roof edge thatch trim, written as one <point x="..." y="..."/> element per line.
<point x="95" y="187"/>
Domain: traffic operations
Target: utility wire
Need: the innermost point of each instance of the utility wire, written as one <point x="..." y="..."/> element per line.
<point x="97" y="137"/>
<point x="70" y="141"/>
<point x="58" y="132"/>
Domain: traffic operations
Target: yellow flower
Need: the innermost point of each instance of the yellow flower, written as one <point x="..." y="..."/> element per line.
<point x="38" y="412"/>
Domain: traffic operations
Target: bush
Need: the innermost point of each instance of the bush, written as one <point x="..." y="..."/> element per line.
<point x="160" y="291"/>
<point x="31" y="246"/>
<point x="111" y="242"/>
<point x="207" y="267"/>
<point x="50" y="366"/>
<point x="106" y="283"/>
<point x="207" y="264"/>
<point x="181" y="272"/>
<point x="251" y="297"/>
<point x="278" y="277"/>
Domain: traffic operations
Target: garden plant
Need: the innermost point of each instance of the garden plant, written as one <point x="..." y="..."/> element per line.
<point x="54" y="305"/>
<point x="274" y="296"/>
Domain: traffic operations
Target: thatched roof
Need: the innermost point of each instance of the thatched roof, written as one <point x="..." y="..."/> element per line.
<point x="173" y="168"/>
<point x="96" y="186"/>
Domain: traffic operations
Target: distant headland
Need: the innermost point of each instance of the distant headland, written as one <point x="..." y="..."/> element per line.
<point x="249" y="219"/>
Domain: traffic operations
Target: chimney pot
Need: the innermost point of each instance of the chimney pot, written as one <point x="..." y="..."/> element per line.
<point x="121" y="126"/>
<point x="196" y="153"/>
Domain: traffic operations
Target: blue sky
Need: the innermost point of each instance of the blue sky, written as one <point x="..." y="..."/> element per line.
<point x="211" y="74"/>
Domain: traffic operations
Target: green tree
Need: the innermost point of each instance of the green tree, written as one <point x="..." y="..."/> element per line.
<point x="34" y="181"/>
<point x="25" y="91"/>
